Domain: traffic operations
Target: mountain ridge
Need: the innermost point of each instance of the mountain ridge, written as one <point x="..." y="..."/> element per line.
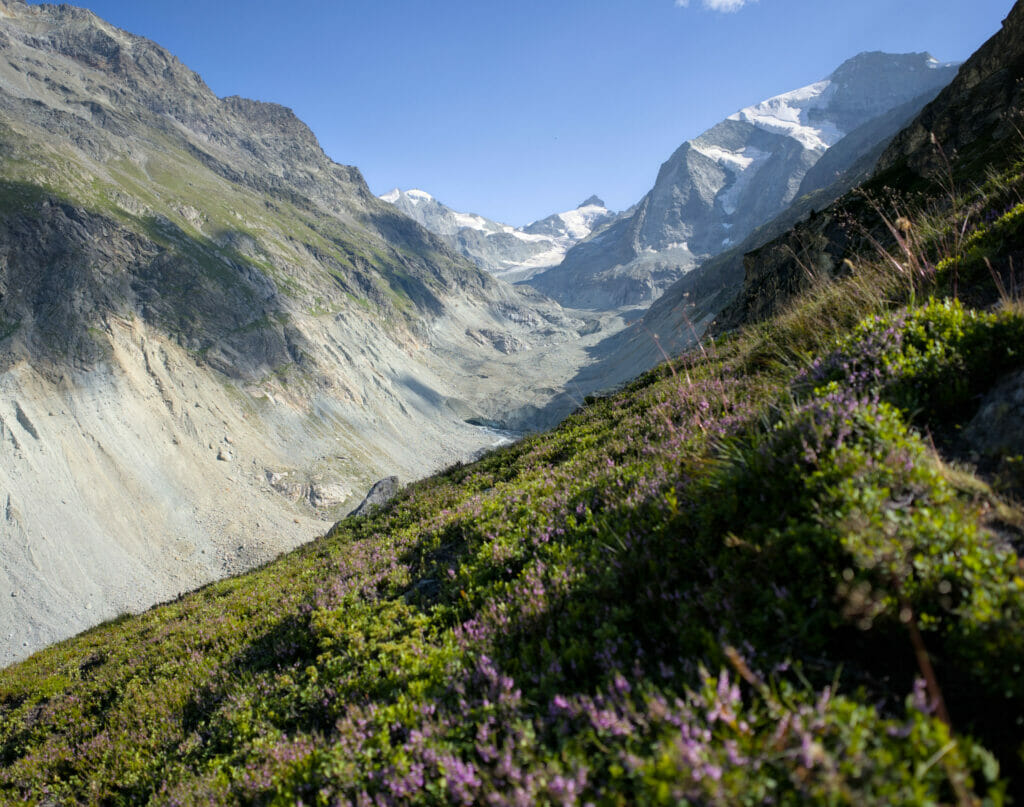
<point x="511" y="253"/>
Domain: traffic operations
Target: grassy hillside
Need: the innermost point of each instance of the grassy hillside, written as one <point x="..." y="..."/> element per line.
<point x="764" y="573"/>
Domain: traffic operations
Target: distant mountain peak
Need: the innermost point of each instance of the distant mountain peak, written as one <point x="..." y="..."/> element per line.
<point x="413" y="196"/>
<point x="509" y="252"/>
<point x="877" y="59"/>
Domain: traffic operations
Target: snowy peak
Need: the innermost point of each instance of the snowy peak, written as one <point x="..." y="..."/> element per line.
<point x="819" y="115"/>
<point x="513" y="253"/>
<point x="717" y="188"/>
<point x="419" y="196"/>
<point x="436" y="216"/>
<point x="573" y="225"/>
<point x="790" y="114"/>
<point x="721" y="185"/>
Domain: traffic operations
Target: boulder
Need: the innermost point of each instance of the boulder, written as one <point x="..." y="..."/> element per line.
<point x="381" y="493"/>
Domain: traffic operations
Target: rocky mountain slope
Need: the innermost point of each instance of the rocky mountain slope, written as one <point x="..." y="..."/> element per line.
<point x="719" y="187"/>
<point x="511" y="253"/>
<point x="213" y="339"/>
<point x="677" y="319"/>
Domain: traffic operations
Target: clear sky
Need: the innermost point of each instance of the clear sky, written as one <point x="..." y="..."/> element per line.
<point x="516" y="110"/>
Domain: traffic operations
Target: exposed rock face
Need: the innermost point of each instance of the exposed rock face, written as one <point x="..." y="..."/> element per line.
<point x="380" y="494"/>
<point x="997" y="430"/>
<point x="176" y="268"/>
<point x="982" y="104"/>
<point x="974" y="114"/>
<point x="718" y="188"/>
<point x="511" y="253"/>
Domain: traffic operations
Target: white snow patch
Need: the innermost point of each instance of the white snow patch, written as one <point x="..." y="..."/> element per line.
<point x="729" y="196"/>
<point x="531" y="238"/>
<point x="472" y="221"/>
<point x="392" y="196"/>
<point x="418" y="196"/>
<point x="579" y="223"/>
<point x="676" y="245"/>
<point x="786" y="114"/>
<point x="551" y="257"/>
<point x="734" y="160"/>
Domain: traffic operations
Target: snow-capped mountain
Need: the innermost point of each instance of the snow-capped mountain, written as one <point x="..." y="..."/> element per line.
<point x="717" y="188"/>
<point x="512" y="253"/>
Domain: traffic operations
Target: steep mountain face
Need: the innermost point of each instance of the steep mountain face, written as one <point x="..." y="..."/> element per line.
<point x="718" y="188"/>
<point x="677" y="319"/>
<point x="977" y="114"/>
<point x="210" y="331"/>
<point x="511" y="253"/>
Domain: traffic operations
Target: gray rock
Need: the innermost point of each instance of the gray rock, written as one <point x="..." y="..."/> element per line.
<point x="997" y="430"/>
<point x="380" y="494"/>
<point x="325" y="494"/>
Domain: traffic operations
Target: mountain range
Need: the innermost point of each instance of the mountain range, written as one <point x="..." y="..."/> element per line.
<point x="511" y="253"/>
<point x="716" y="189"/>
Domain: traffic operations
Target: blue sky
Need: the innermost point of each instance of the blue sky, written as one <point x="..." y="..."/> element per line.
<point x="515" y="110"/>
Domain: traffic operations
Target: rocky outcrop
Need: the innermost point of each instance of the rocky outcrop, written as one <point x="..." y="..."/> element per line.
<point x="997" y="430"/>
<point x="380" y="494"/>
<point x="981" y="106"/>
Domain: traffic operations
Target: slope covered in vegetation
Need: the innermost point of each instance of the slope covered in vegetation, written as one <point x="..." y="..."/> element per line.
<point x="763" y="573"/>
